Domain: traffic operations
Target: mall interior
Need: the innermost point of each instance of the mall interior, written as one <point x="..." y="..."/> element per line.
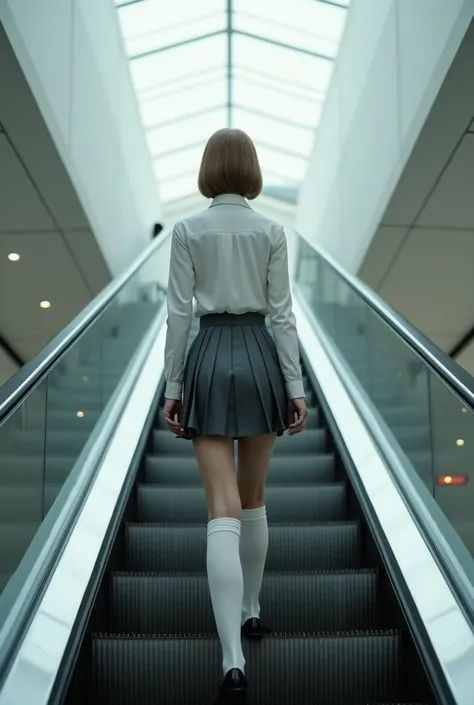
<point x="362" y="113"/>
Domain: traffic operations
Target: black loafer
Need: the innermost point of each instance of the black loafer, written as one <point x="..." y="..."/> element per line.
<point x="254" y="629"/>
<point x="233" y="690"/>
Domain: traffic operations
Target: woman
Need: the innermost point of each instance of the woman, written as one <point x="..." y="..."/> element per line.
<point x="237" y="382"/>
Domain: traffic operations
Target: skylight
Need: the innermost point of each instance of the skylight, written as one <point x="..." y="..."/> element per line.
<point x="261" y="66"/>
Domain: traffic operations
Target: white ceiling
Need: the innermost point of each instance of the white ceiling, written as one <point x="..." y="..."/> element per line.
<point x="422" y="256"/>
<point x="42" y="220"/>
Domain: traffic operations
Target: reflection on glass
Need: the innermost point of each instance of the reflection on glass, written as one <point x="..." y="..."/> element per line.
<point x="453" y="458"/>
<point x="41" y="442"/>
<point x="22" y="495"/>
<point x="431" y="425"/>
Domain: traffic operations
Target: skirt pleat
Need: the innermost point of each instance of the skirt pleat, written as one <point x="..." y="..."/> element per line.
<point x="271" y="364"/>
<point x="194" y="364"/>
<point x="233" y="385"/>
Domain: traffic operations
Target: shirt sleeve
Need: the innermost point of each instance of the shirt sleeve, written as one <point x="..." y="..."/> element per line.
<point x="180" y="312"/>
<point x="283" y="319"/>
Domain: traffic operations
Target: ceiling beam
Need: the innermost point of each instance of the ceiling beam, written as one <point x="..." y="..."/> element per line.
<point x="229" y="31"/>
<point x="191" y="40"/>
<point x="283" y="45"/>
<point x="334" y="3"/>
<point x="127" y="2"/>
<point x="12" y="354"/>
<point x="462" y="344"/>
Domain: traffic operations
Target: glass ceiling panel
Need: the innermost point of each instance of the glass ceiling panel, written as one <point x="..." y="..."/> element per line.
<point x="282" y="63"/>
<point x="184" y="83"/>
<point x="175" y="104"/>
<point x="266" y="69"/>
<point x="313" y="26"/>
<point x="171" y="190"/>
<point x="196" y="128"/>
<point x="149" y="25"/>
<point x="176" y="63"/>
<point x="247" y="94"/>
<point x="267" y="129"/>
<point x="276" y="161"/>
<point x="269" y="80"/>
<point x="180" y="162"/>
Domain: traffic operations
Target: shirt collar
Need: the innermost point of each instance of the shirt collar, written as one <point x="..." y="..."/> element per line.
<point x="227" y="199"/>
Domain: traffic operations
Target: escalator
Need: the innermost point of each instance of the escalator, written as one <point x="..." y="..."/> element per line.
<point x="338" y="635"/>
<point x="103" y="519"/>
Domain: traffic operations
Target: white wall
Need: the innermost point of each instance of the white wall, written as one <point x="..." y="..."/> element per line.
<point x="7" y="367"/>
<point x="393" y="59"/>
<point x="72" y="56"/>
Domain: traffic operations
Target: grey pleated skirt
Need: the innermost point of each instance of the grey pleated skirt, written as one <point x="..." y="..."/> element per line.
<point x="233" y="385"/>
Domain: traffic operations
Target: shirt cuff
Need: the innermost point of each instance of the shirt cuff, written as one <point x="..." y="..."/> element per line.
<point x="173" y="390"/>
<point x="295" y="389"/>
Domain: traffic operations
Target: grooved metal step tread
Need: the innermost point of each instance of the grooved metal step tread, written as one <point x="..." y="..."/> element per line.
<point x="334" y="669"/>
<point x="303" y="469"/>
<point x="174" y="547"/>
<point x="304" y="502"/>
<point x="311" y="441"/>
<point x="290" y="601"/>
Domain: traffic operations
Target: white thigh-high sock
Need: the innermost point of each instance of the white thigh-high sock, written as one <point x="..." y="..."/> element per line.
<point x="253" y="552"/>
<point x="224" y="573"/>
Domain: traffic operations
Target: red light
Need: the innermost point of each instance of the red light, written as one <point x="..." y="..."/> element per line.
<point x="452" y="479"/>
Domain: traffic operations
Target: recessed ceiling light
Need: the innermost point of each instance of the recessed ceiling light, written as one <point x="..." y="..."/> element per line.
<point x="80" y="414"/>
<point x="45" y="304"/>
<point x="460" y="442"/>
<point x="13" y="257"/>
<point x="463" y="410"/>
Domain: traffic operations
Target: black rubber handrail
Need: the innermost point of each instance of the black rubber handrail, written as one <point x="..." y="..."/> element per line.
<point x="452" y="374"/>
<point x="33" y="372"/>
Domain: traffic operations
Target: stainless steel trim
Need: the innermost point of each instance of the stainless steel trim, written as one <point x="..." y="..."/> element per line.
<point x="449" y="631"/>
<point x="35" y="667"/>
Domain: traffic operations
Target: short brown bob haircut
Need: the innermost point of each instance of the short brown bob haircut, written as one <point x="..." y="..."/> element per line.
<point x="230" y="165"/>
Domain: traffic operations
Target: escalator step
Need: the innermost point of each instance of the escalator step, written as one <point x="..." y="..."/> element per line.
<point x="312" y="441"/>
<point x="313" y="419"/>
<point x="334" y="669"/>
<point x="167" y="548"/>
<point x="187" y="504"/>
<point x="169" y="470"/>
<point x="291" y="602"/>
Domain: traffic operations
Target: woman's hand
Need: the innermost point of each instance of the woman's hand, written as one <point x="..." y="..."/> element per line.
<point x="297" y="413"/>
<point x="172" y="414"/>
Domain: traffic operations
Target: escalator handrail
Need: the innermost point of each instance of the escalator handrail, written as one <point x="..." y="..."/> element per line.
<point x="31" y="374"/>
<point x="452" y="374"/>
<point x="48" y="550"/>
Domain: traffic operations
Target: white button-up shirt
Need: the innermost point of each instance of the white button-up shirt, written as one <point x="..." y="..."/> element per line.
<point x="230" y="259"/>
